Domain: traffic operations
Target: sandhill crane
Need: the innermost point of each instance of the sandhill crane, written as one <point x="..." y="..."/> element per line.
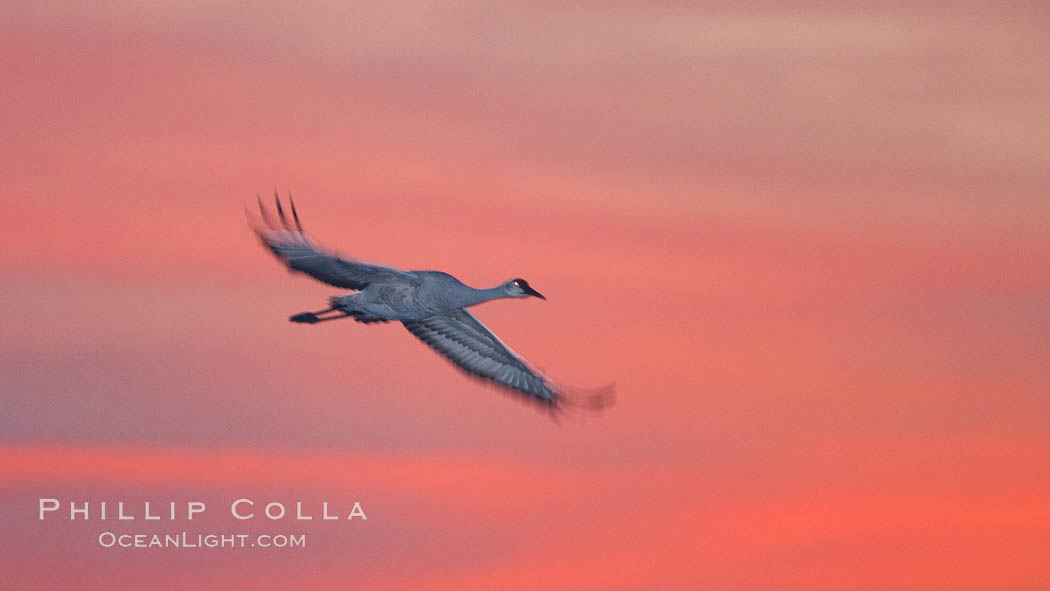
<point x="432" y="305"/>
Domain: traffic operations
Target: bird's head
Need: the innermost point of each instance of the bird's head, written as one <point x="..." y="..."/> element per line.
<point x="519" y="288"/>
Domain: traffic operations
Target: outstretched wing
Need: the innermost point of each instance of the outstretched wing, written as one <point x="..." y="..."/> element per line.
<point x="470" y="345"/>
<point x="301" y="254"/>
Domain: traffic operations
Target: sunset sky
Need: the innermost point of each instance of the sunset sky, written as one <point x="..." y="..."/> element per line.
<point x="810" y="245"/>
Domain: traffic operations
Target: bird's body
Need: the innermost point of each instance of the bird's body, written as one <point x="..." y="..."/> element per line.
<point x="414" y="296"/>
<point x="432" y="305"/>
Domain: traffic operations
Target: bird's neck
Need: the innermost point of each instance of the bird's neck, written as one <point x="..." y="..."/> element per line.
<point x="477" y="296"/>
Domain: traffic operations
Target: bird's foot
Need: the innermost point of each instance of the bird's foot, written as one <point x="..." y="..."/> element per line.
<point x="305" y="317"/>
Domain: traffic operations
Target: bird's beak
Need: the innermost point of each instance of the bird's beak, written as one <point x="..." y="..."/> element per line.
<point x="533" y="292"/>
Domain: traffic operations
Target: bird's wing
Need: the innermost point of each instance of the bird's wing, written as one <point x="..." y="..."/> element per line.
<point x="471" y="346"/>
<point x="300" y="253"/>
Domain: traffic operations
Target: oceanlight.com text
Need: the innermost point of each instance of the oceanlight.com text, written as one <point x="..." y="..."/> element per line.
<point x="196" y="540"/>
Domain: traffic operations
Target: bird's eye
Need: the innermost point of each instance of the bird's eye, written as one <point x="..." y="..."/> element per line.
<point x="517" y="283"/>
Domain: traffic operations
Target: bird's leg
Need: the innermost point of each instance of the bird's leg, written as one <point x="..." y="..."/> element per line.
<point x="315" y="317"/>
<point x="336" y="317"/>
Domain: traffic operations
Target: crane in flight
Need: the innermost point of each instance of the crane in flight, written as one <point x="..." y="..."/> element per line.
<point x="432" y="305"/>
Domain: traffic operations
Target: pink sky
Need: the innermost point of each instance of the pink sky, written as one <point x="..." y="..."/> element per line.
<point x="809" y="244"/>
